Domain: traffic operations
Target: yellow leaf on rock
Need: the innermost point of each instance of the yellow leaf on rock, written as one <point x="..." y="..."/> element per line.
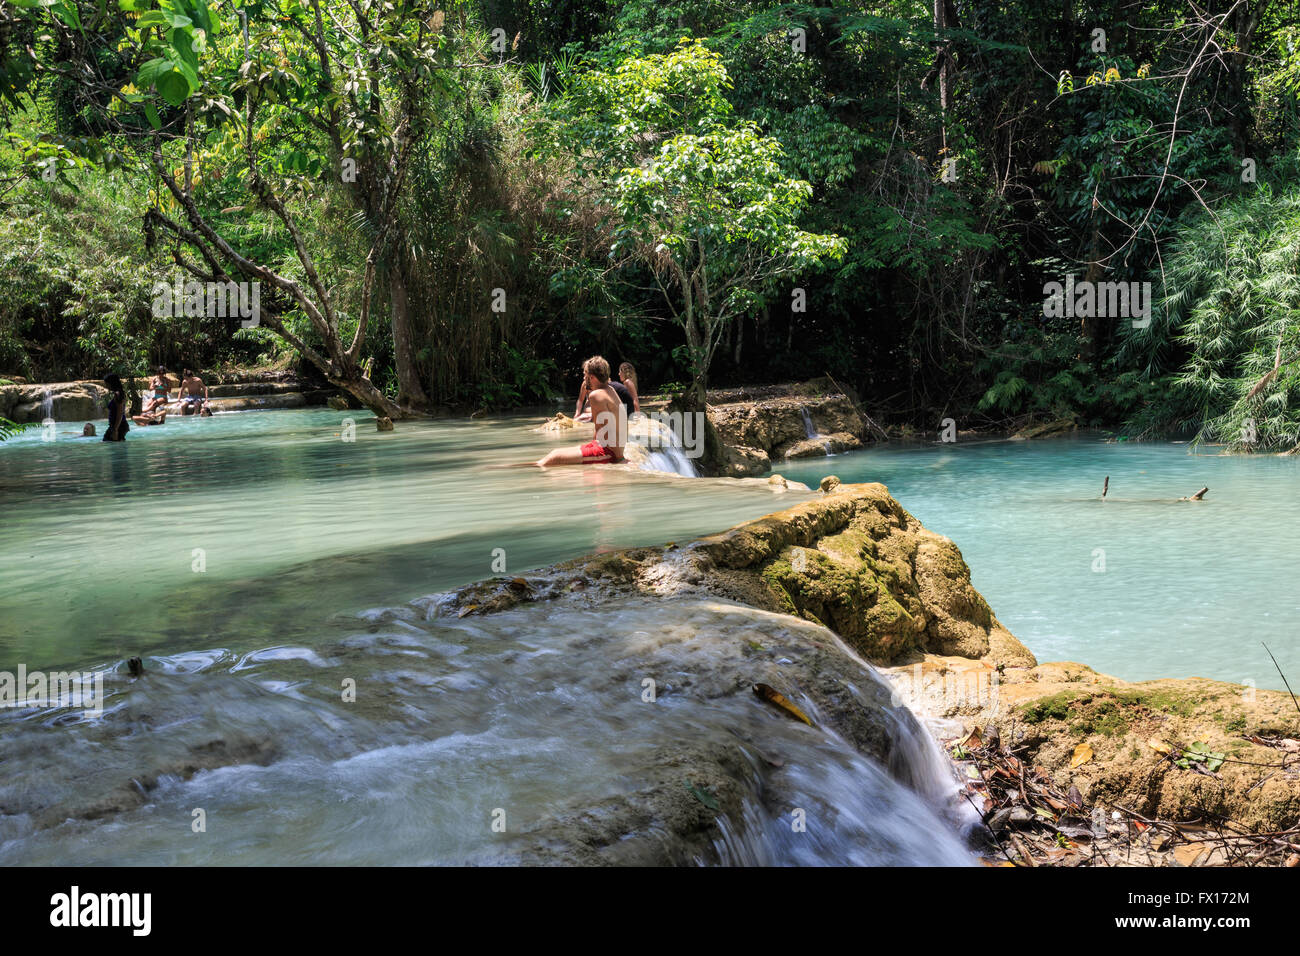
<point x="764" y="692"/>
<point x="1159" y="746"/>
<point x="1082" y="754"/>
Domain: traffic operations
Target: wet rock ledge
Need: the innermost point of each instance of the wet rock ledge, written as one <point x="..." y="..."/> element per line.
<point x="853" y="561"/>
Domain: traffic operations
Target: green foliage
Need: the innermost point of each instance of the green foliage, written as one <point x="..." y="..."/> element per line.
<point x="1041" y="376"/>
<point x="701" y="200"/>
<point x="9" y="429"/>
<point x="1229" y="316"/>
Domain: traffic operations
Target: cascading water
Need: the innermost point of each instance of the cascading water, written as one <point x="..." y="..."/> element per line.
<point x="663" y="449"/>
<point x="538" y="716"/>
<point x="810" y="431"/>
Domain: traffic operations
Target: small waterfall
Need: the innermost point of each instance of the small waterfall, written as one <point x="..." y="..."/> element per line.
<point x="810" y="431"/>
<point x="47" y="406"/>
<point x="664" y="451"/>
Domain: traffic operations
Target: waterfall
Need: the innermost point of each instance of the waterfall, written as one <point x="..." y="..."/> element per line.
<point x="663" y="449"/>
<point x="47" y="406"/>
<point x="809" y="431"/>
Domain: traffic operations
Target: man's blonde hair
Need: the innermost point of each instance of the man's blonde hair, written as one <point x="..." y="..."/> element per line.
<point x="598" y="367"/>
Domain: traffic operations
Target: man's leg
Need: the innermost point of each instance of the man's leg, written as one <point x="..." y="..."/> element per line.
<point x="573" y="455"/>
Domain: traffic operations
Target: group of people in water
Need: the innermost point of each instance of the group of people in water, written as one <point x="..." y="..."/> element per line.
<point x="607" y="403"/>
<point x="192" y="394"/>
<point x="602" y="400"/>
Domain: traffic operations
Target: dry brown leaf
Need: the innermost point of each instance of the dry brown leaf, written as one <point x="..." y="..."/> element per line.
<point x="974" y="739"/>
<point x="1189" y="853"/>
<point x="775" y="698"/>
<point x="1082" y="754"/>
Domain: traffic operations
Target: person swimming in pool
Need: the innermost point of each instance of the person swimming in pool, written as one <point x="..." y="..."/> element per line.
<point x="610" y="416"/>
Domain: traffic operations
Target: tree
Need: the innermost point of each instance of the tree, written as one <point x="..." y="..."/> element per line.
<point x="700" y="199"/>
<point x="303" y="97"/>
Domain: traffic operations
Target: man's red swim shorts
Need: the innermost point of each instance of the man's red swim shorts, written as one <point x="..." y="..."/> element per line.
<point x="594" y="453"/>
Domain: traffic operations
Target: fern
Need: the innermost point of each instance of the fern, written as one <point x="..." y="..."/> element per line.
<point x="9" y="429"/>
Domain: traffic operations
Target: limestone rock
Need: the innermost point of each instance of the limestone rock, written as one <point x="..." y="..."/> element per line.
<point x="829" y="484"/>
<point x="1045" y="429"/>
<point x="68" y="402"/>
<point x="384" y="424"/>
<point x="783" y="422"/>
<point x="741" y="461"/>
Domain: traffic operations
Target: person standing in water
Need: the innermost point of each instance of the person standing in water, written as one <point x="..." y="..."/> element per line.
<point x="609" y="414"/>
<point x="117" y="424"/>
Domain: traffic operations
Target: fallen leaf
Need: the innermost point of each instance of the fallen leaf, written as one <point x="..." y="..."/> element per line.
<point x="1189" y="853"/>
<point x="1159" y="746"/>
<point x="1082" y="754"/>
<point x="467" y="609"/>
<point x="703" y="796"/>
<point x="773" y="697"/>
<point x="974" y="739"/>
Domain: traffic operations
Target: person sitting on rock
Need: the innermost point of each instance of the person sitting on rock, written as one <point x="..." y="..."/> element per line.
<point x="160" y="388"/>
<point x="624" y="394"/>
<point x="628" y="376"/>
<point x="193" y="393"/>
<point x="609" y="415"/>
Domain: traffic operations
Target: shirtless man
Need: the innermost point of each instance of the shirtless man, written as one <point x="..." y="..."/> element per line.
<point x="610" y="418"/>
<point x="193" y="393"/>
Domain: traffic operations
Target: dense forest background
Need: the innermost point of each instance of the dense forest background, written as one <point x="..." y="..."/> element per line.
<point x="923" y="169"/>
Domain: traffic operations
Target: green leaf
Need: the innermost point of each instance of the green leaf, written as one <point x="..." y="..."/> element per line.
<point x="151" y="114"/>
<point x="174" y="87"/>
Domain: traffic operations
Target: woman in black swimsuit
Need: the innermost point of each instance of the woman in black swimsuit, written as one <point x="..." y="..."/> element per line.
<point x="117" y="424"/>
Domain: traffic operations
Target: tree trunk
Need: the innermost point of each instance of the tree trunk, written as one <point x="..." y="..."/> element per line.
<point x="692" y="401"/>
<point x="409" y="390"/>
<point x="364" y="391"/>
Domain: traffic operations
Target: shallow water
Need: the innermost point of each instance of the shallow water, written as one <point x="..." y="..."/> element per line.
<point x="1138" y="585"/>
<point x="250" y="529"/>
<point x="258" y="562"/>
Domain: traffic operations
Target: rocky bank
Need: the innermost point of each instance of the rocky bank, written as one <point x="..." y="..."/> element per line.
<point x="855" y="561"/>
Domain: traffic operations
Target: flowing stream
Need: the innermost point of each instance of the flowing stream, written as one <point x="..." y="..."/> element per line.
<point x="266" y="567"/>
